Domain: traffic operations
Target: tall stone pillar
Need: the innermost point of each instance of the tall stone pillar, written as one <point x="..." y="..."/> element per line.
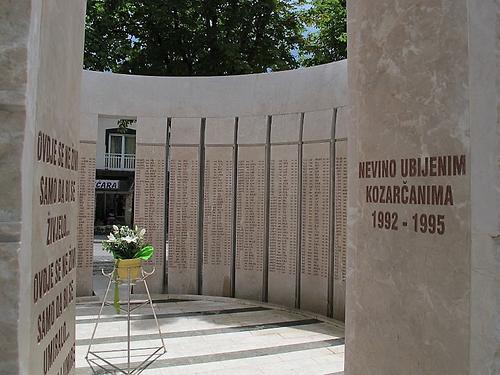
<point x="422" y="284"/>
<point x="339" y="215"/>
<point x="86" y="204"/>
<point x="184" y="206"/>
<point x="317" y="238"/>
<point x="218" y="207"/>
<point x="283" y="209"/>
<point x="41" y="46"/>
<point x="250" y="208"/>
<point x="149" y="192"/>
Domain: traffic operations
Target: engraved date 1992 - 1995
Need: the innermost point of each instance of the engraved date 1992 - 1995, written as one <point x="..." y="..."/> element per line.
<point x="422" y="223"/>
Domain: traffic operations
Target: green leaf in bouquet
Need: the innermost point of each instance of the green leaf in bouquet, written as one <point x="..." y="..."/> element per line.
<point x="145" y="253"/>
<point x="116" y="297"/>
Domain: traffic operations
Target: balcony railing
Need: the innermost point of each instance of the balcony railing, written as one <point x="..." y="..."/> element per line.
<point x="122" y="162"/>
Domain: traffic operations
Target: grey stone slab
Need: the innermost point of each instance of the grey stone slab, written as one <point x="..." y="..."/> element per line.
<point x="315" y="246"/>
<point x="250" y="341"/>
<point x="86" y="212"/>
<point x="9" y="276"/>
<point x="250" y="222"/>
<point x="340" y="231"/>
<point x="183" y="220"/>
<point x="203" y="332"/>
<point x="285" y="128"/>
<point x="14" y="33"/>
<point x="12" y="126"/>
<point x="10" y="231"/>
<point x="185" y="131"/>
<point x="39" y="119"/>
<point x="318" y="125"/>
<point x="252" y="130"/>
<point x="343" y="122"/>
<point x="317" y="88"/>
<point x="89" y="124"/>
<point x="406" y="110"/>
<point x="484" y="80"/>
<point x="218" y="221"/>
<point x="173" y="315"/>
<point x="219" y="130"/>
<point x="283" y="225"/>
<point x="151" y="130"/>
<point x="149" y="194"/>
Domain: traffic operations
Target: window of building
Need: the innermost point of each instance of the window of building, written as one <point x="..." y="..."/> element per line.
<point x="122" y="144"/>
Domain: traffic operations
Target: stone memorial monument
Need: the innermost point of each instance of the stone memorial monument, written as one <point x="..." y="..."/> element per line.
<point x="283" y="209"/>
<point x="316" y="236"/>
<point x="218" y="210"/>
<point x="41" y="45"/>
<point x="86" y="204"/>
<point x="241" y="169"/>
<point x="377" y="203"/>
<point x="183" y="259"/>
<point x="149" y="199"/>
<point x="250" y="211"/>
<point x="423" y="255"/>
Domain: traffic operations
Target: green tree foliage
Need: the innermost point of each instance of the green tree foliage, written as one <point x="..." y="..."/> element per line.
<point x="191" y="37"/>
<point x="327" y="41"/>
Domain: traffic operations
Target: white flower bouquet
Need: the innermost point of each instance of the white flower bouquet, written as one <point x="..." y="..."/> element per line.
<point x="129" y="250"/>
<point x="127" y="243"/>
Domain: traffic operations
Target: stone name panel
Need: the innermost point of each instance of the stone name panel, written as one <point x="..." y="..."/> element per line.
<point x="86" y="211"/>
<point x="283" y="231"/>
<point x="183" y="220"/>
<point x="250" y="197"/>
<point x="322" y="269"/>
<point x="218" y="212"/>
<point x="315" y="246"/>
<point x="217" y="221"/>
<point x="183" y="207"/>
<point x="149" y="201"/>
<point x="340" y="230"/>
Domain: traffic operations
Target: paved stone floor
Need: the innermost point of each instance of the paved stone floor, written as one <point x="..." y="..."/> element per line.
<point x="213" y="336"/>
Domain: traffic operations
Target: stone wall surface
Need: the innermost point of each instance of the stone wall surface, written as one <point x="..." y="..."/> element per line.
<point x="283" y="209"/>
<point x="41" y="45"/>
<point x="86" y="205"/>
<point x="340" y="230"/>
<point x="241" y="219"/>
<point x="484" y="113"/>
<point x="14" y="40"/>
<point x="183" y="234"/>
<point x="250" y="208"/>
<point x="315" y="228"/>
<point x="218" y="207"/>
<point x="309" y="89"/>
<point x="238" y="208"/>
<point x="422" y="280"/>
<point x="149" y="193"/>
<point x="316" y="200"/>
<point x="257" y="177"/>
<point x="254" y="221"/>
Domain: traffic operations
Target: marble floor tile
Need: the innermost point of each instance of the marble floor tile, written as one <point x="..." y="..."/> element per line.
<point x="207" y="337"/>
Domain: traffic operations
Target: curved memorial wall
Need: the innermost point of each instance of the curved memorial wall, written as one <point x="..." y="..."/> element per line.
<point x="254" y="203"/>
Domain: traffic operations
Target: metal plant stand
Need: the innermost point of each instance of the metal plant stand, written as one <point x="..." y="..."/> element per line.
<point x="93" y="357"/>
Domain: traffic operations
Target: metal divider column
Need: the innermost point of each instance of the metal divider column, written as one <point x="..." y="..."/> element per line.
<point x="331" y="214"/>
<point x="267" y="192"/>
<point x="201" y="179"/>
<point x="234" y="207"/>
<point x="298" y="264"/>
<point x="166" y="203"/>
